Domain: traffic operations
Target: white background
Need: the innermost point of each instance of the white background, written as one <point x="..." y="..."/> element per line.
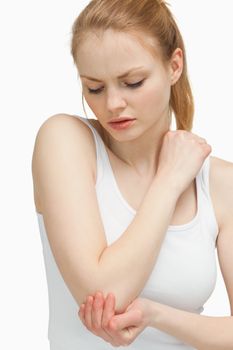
<point x="37" y="80"/>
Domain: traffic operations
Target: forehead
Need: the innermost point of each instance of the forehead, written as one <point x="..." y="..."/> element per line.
<point x="112" y="51"/>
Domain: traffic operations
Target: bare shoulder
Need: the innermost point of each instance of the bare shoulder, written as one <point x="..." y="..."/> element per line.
<point x="62" y="141"/>
<point x="221" y="170"/>
<point x="221" y="184"/>
<point x="63" y="122"/>
<point x="70" y="131"/>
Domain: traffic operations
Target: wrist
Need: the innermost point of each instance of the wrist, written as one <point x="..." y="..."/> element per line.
<point x="156" y="314"/>
<point x="167" y="186"/>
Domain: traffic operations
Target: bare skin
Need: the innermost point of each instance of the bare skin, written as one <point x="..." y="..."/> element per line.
<point x="186" y="205"/>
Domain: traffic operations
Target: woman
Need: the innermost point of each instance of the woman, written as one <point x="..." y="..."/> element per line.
<point x="130" y="212"/>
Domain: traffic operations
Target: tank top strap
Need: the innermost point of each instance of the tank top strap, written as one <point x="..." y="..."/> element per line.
<point x="208" y="211"/>
<point x="205" y="175"/>
<point x="101" y="153"/>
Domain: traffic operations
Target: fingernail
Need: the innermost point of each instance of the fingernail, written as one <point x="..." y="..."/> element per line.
<point x="111" y="296"/>
<point x="89" y="298"/>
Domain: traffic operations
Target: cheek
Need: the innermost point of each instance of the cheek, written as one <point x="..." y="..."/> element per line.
<point x="93" y="104"/>
<point x="155" y="98"/>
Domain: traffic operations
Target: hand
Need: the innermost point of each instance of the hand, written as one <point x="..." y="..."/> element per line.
<point x="182" y="154"/>
<point x="98" y="315"/>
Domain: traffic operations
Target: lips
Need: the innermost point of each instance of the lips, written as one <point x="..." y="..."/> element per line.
<point x="123" y="125"/>
<point x="120" y="119"/>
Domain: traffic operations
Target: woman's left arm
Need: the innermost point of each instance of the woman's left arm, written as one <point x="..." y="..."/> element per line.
<point x="200" y="331"/>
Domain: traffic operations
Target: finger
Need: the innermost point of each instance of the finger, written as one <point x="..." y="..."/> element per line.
<point x="109" y="309"/>
<point x="114" y="336"/>
<point x="81" y="313"/>
<point x="108" y="313"/>
<point x="124" y="336"/>
<point x="130" y="334"/>
<point x="123" y="330"/>
<point x="87" y="312"/>
<point x="128" y="319"/>
<point x="97" y="311"/>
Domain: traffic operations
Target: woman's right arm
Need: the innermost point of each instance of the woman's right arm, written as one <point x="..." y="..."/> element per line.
<point x="63" y="171"/>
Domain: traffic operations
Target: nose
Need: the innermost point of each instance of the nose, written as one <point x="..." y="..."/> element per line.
<point x="115" y="101"/>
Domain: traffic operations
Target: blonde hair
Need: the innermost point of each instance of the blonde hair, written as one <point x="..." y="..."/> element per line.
<point x="150" y="17"/>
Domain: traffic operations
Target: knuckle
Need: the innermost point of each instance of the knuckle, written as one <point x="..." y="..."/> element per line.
<point x="116" y="345"/>
<point x="95" y="306"/>
<point x="167" y="136"/>
<point x="204" y="145"/>
<point x="183" y="132"/>
<point x="200" y="150"/>
<point x="179" y="134"/>
<point x="95" y="326"/>
<point x="129" y="342"/>
<point x="106" y="339"/>
<point x="140" y="315"/>
<point x="126" y="343"/>
<point x="170" y="134"/>
<point x="105" y="325"/>
<point x="207" y="150"/>
<point x="89" y="328"/>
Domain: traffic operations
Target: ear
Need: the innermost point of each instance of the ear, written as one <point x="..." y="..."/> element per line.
<point x="176" y="65"/>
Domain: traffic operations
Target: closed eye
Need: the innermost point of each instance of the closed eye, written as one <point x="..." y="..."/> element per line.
<point x="132" y="86"/>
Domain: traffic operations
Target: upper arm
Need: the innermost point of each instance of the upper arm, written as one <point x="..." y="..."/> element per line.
<point x="62" y="168"/>
<point x="225" y="236"/>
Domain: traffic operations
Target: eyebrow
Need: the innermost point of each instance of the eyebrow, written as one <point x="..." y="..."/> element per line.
<point x="120" y="77"/>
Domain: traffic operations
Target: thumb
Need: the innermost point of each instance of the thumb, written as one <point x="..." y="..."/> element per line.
<point x="127" y="319"/>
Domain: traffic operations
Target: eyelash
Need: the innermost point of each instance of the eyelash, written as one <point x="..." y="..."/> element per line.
<point x="131" y="86"/>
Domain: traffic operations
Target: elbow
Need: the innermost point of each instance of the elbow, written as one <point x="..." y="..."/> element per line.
<point x="79" y="296"/>
<point x="100" y="283"/>
<point x="122" y="301"/>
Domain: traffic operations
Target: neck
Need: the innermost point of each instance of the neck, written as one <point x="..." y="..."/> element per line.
<point x="142" y="153"/>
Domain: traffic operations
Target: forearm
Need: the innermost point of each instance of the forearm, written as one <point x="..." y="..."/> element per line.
<point x="125" y="265"/>
<point x="200" y="331"/>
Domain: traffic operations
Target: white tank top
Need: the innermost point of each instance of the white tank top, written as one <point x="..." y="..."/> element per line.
<point x="183" y="277"/>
